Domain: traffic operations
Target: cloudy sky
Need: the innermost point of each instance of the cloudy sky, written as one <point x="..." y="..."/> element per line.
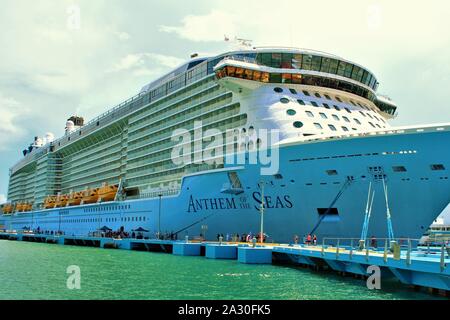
<point x="59" y="58"/>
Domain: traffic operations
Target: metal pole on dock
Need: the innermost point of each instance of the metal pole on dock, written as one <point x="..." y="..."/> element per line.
<point x="159" y="217"/>
<point x="261" y="235"/>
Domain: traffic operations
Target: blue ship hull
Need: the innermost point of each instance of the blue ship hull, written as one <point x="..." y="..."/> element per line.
<point x="293" y="201"/>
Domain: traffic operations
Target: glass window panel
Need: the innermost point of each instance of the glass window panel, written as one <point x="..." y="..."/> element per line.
<point x="239" y="72"/>
<point x="325" y="67"/>
<point x="297" y="61"/>
<point x="275" y="77"/>
<point x="333" y="66"/>
<point x="286" y="60"/>
<point x="348" y="70"/>
<point x="286" y="78"/>
<point x="306" y="61"/>
<point x="231" y="71"/>
<point x="266" y="59"/>
<point x="316" y="63"/>
<point x="276" y="60"/>
<point x="297" y="78"/>
<point x="341" y="68"/>
<point x="265" y="77"/>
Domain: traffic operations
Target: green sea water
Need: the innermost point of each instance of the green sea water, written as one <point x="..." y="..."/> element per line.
<point x="38" y="271"/>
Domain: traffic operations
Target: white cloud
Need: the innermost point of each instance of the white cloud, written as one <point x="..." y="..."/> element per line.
<point x="141" y="63"/>
<point x="11" y="128"/>
<point x="122" y="35"/>
<point x="210" y="27"/>
<point x="2" y="198"/>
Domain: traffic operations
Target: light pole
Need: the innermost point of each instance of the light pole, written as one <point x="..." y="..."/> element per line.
<point x="159" y="218"/>
<point x="204" y="229"/>
<point x="261" y="235"/>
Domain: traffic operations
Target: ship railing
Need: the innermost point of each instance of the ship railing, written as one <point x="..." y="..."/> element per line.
<point x="398" y="248"/>
<point x="241" y="59"/>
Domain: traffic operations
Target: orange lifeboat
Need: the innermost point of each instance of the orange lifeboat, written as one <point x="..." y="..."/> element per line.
<point x="27" y="207"/>
<point x="50" y="202"/>
<point x="75" y="198"/>
<point x="107" y="192"/>
<point x="90" y="196"/>
<point x="7" y="208"/>
<point x="61" y="200"/>
<point x="20" y="207"/>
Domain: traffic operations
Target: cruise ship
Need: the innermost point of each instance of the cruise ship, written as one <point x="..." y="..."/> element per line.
<point x="298" y="137"/>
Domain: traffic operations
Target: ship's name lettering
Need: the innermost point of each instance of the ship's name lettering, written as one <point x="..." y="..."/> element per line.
<point x="278" y="202"/>
<point x="211" y="204"/>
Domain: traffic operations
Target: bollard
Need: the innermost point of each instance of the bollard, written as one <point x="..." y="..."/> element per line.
<point x="362" y="244"/>
<point x="254" y="242"/>
<point x="220" y="240"/>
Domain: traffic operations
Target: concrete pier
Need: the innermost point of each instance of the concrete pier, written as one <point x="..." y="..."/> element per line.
<point x="221" y="251"/>
<point x="257" y="255"/>
<point x="187" y="249"/>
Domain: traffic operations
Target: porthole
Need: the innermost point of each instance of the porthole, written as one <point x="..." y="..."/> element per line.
<point x="291" y="112"/>
<point x="284" y="100"/>
<point x="298" y="124"/>
<point x="278" y="89"/>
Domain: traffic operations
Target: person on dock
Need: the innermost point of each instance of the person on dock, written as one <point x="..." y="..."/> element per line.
<point x="315" y="240"/>
<point x="308" y="239"/>
<point x="296" y="239"/>
<point x="373" y="242"/>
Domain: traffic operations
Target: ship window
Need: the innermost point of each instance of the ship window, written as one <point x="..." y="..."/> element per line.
<point x="309" y="114"/>
<point x="318" y="125"/>
<point x="278" y="89"/>
<point x="398" y="169"/>
<point x="437" y="167"/>
<point x="323" y="115"/>
<point x="239" y="72"/>
<point x="333" y="128"/>
<point x="275" y="77"/>
<point x="278" y="176"/>
<point x="296" y="78"/>
<point x="327" y="96"/>
<point x="291" y="112"/>
<point x="317" y="95"/>
<point x="301" y="102"/>
<point x="357" y="121"/>
<point x="348" y="110"/>
<point x="314" y="104"/>
<point x="338" y="99"/>
<point x="306" y="93"/>
<point x="332" y="172"/>
<point x="345" y="119"/>
<point x="286" y="78"/>
<point x="362" y="113"/>
<point x="298" y="124"/>
<point x="293" y="91"/>
<point x="326" y="106"/>
<point x="284" y="100"/>
<point x="231" y="71"/>
<point x="98" y="123"/>
<point x="345" y="128"/>
<point x="337" y="108"/>
<point x="265" y="77"/>
<point x="372" y="124"/>
<point x="248" y="74"/>
<point x="335" y="117"/>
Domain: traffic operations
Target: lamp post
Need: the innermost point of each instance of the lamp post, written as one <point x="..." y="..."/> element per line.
<point x="204" y="229"/>
<point x="159" y="217"/>
<point x="261" y="235"/>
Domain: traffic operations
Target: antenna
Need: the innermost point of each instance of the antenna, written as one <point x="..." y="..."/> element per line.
<point x="240" y="43"/>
